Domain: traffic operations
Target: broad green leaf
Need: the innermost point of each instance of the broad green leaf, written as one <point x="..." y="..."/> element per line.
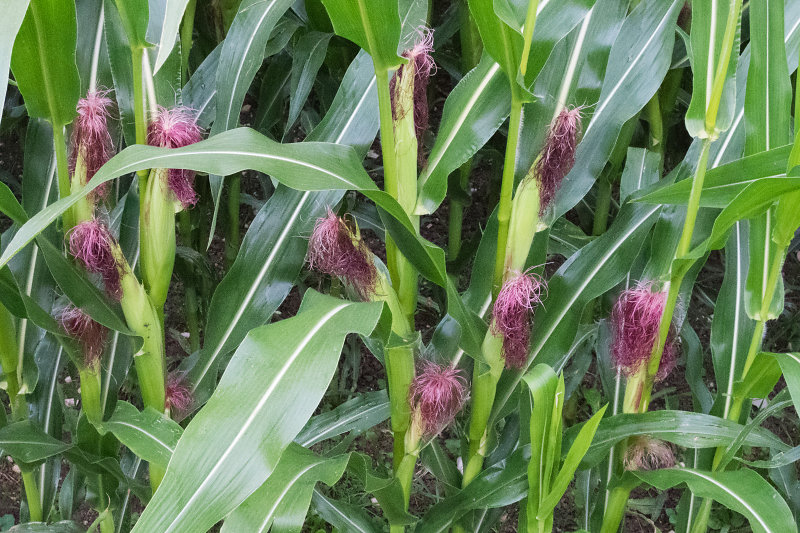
<point x="638" y="61"/>
<point x="725" y="182"/>
<point x="500" y="41"/>
<point x="10" y="207"/>
<point x="589" y="273"/>
<point x="767" y="117"/>
<point x="754" y="199"/>
<point x="473" y="112"/>
<point x="544" y="385"/>
<point x="148" y="434"/>
<point x="790" y="365"/>
<point x="571" y="462"/>
<point x="200" y="92"/>
<point x="573" y="75"/>
<point x="270" y="388"/>
<point x="731" y="328"/>
<point x="121" y="61"/>
<point x="135" y="15"/>
<point x="43" y="61"/>
<point x="298" y="470"/>
<point x="374" y="25"/>
<point x="63" y="526"/>
<point x="641" y="170"/>
<point x="684" y="428"/>
<point x="240" y="58"/>
<point x="173" y="15"/>
<point x="80" y="290"/>
<point x="731" y="142"/>
<point x="498" y="485"/>
<point x="743" y="491"/>
<point x="341" y="515"/>
<point x="14" y="11"/>
<point x="28" y="444"/>
<point x="309" y="53"/>
<point x="359" y="414"/>
<point x="710" y="18"/>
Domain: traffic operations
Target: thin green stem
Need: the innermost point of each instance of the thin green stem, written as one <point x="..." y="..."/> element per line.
<point x="32" y="495"/>
<point x="506" y="190"/>
<point x="527" y="35"/>
<point x="656" y="134"/>
<point x="62" y="170"/>
<point x="139" y="106"/>
<point x="602" y="206"/>
<point x="187" y="28"/>
<point x="722" y="67"/>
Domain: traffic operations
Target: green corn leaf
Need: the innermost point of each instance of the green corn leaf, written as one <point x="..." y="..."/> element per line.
<point x="14" y="11"/>
<point x="543" y="384"/>
<point x="148" y="434"/>
<point x="270" y="388"/>
<point x="135" y="15"/>
<point x="359" y="414"/>
<point x="732" y="329"/>
<point x="731" y="142"/>
<point x="767" y="116"/>
<point x="121" y="62"/>
<point x="240" y="58"/>
<point x="500" y="41"/>
<point x="710" y="19"/>
<point x="473" y="111"/>
<point x="372" y="24"/>
<point x="743" y="491"/>
<point x="308" y="57"/>
<point x="43" y="61"/>
<point x="298" y="470"/>
<point x="638" y="61"/>
<point x="684" y="428"/>
<point x="790" y="366"/>
<point x="173" y="14"/>
<point x="571" y="462"/>
<point x="498" y="485"/>
<point x="341" y="515"/>
<point x="573" y="75"/>
<point x="27" y="443"/>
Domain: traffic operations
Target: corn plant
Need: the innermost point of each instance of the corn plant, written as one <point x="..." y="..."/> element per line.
<point x="399" y="265"/>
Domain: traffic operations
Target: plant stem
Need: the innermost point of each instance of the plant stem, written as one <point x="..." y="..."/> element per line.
<point x="187" y="28"/>
<point x="602" y="206"/>
<point x="62" y="170"/>
<point x="140" y="119"/>
<point x="506" y="190"/>
<point x="656" y="135"/>
<point x="32" y="495"/>
<point x="232" y="238"/>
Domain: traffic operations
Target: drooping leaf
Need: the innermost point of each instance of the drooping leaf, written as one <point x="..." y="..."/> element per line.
<point x="173" y="15"/>
<point x="298" y="470"/>
<point x="148" y="434"/>
<point x="743" y="491"/>
<point x="359" y="414"/>
<point x="28" y="444"/>
<point x="692" y="430"/>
